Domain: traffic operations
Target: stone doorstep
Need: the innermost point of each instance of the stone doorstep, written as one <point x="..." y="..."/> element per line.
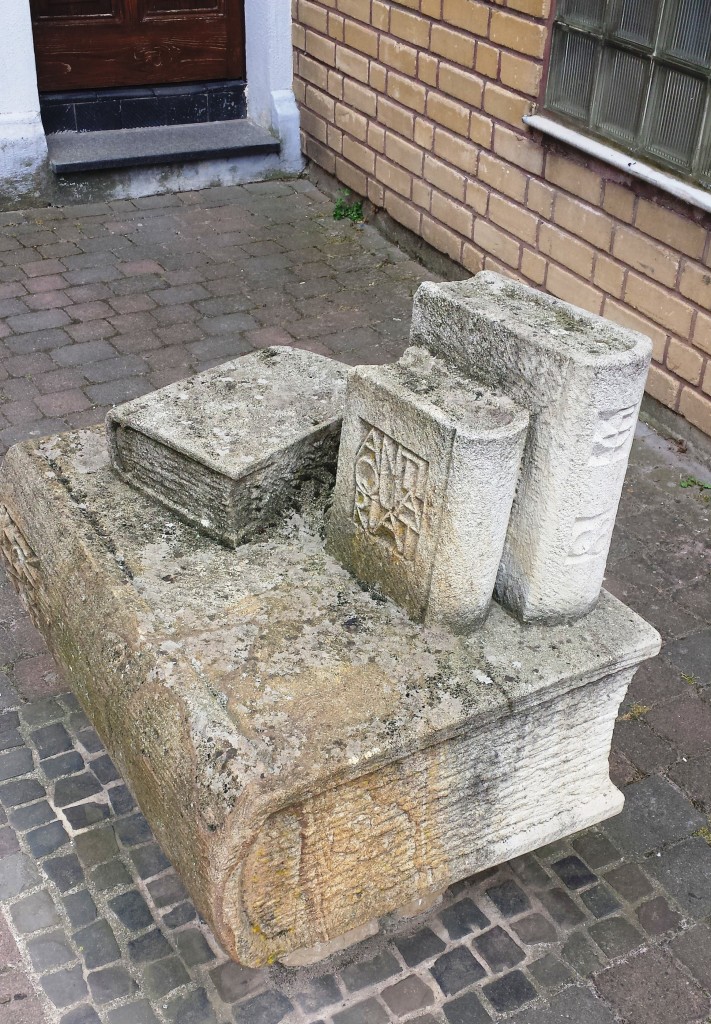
<point x="388" y="712"/>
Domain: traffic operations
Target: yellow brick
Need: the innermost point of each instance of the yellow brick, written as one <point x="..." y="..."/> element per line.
<point x="695" y="284"/>
<point x="697" y="409"/>
<point x="533" y="267"/>
<point x="455" y="46"/>
<point x="626" y="317"/>
<point x="652" y="260"/>
<point x="685" y="361"/>
<point x="393" y="177"/>
<point x="512" y="218"/>
<point x="354" y="9"/>
<point x="518" y="149"/>
<point x="706" y="386"/>
<point x="361" y="38"/>
<point x="337" y="27"/>
<point x="380" y="15"/>
<point x="320" y="103"/>
<point x="575" y="178"/>
<point x="361" y="156"/>
<point x="403" y="153"/>
<point x="427" y="68"/>
<point x="397" y="55"/>
<point x="504" y="104"/>
<point x="353" y="64"/>
<point x="671" y="228"/>
<point x="410" y="94"/>
<point x="702" y="333"/>
<point x="540" y="198"/>
<point x="659" y="305"/>
<point x="313" y="72"/>
<point x="563" y="248"/>
<point x="609" y="276"/>
<point x="619" y="201"/>
<point x="451" y="213"/>
<point x="298" y="35"/>
<point x="516" y="33"/>
<point x="467" y="14"/>
<point x="424" y="133"/>
<point x="487" y="60"/>
<point x="538" y="8"/>
<point x="313" y="16"/>
<point x="481" y="129"/>
<point x="463" y="85"/>
<point x="360" y="96"/>
<point x="351" y="176"/>
<point x="335" y="138"/>
<point x="412" y="27"/>
<point x="376" y="192"/>
<point x="377" y="76"/>
<point x="431" y="8"/>
<point x="445" y="178"/>
<point x="320" y="154"/>
<point x="521" y="74"/>
<point x="448" y="113"/>
<point x="477" y="197"/>
<point x="321" y="48"/>
<point x="348" y="120"/>
<point x="662" y="386"/>
<point x="582" y="220"/>
<point x="455" y="151"/>
<point x="335" y="84"/>
<point x="492" y="240"/>
<point x="441" y="238"/>
<point x="572" y="289"/>
<point x="421" y="194"/>
<point x="502" y="177"/>
<point x="396" y="117"/>
<point x="472" y="258"/>
<point x="313" y="125"/>
<point x="376" y="137"/>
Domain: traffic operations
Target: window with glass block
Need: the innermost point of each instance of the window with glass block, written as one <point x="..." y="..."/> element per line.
<point x="637" y="73"/>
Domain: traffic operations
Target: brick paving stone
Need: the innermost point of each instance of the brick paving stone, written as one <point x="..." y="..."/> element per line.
<point x="510" y="992"/>
<point x="80" y="908"/>
<point x="534" y="929"/>
<point x="407" y="995"/>
<point x="151" y="946"/>
<point x="96" y="846"/>
<point x="422" y="945"/>
<point x="139" y="1012"/>
<point x="509" y="899"/>
<point x="600" y="901"/>
<point x="581" y="954"/>
<point x="498" y="949"/>
<point x="550" y="972"/>
<point x="571" y="1006"/>
<point x="66" y="871"/>
<point x="573" y="873"/>
<point x="692" y="655"/>
<point x="111" y="983"/>
<point x="34" y="912"/>
<point x="76" y="788"/>
<point x="51" y="950"/>
<point x="97" y="944"/>
<point x="110" y="876"/>
<point x="51" y="740"/>
<point x="370" y="972"/>
<point x="462" y="918"/>
<point x="84" y="815"/>
<point x="561" y="908"/>
<point x="192" y="1008"/>
<point x="685" y="722"/>
<point x="684" y="871"/>
<point x="20" y="791"/>
<point x="318" y="993"/>
<point x="194" y="947"/>
<point x="64" y="764"/>
<point x="630" y="882"/>
<point x="657" y="917"/>
<point x="47" y="839"/>
<point x="652" y="989"/>
<point x="31" y="815"/>
<point x="615" y="936"/>
<point x="693" y="949"/>
<point x="162" y="976"/>
<point x="235" y="982"/>
<point x="369" y="1011"/>
<point x="65" y="987"/>
<point x="466" y="1009"/>
<point x="456" y="969"/>
<point x="16" y="762"/>
<point x="81" y="1015"/>
<point x="104" y="769"/>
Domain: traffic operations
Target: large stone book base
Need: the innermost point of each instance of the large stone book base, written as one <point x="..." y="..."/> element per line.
<point x="309" y="757"/>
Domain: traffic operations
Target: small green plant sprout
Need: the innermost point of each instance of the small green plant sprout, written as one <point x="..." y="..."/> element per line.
<point x="703" y="833"/>
<point x="636" y="712"/>
<point x="689" y="678"/>
<point x="348" y="208"/>
<point x="691" y="481"/>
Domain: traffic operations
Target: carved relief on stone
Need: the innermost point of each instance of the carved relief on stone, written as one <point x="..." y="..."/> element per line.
<point x="591" y="536"/>
<point x="22" y="566"/>
<point x="390" y="489"/>
<point x="613" y="431"/>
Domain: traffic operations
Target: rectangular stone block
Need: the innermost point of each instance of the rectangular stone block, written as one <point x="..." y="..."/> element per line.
<point x="233" y="448"/>
<point x="582" y="379"/>
<point x="308" y="756"/>
<point x="427" y="471"/>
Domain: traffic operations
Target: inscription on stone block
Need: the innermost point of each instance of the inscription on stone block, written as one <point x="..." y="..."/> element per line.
<point x="390" y="491"/>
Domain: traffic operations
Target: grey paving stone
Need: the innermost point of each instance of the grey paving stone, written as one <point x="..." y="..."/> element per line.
<point x="9" y="842"/>
<point x="75" y="788"/>
<point x="110" y="876"/>
<point x="407" y="995"/>
<point x="96" y="846"/>
<point x="616" y="936"/>
<point x="47" y="839"/>
<point x="456" y="969"/>
<point x="466" y="1009"/>
<point x="462" y="918"/>
<point x="151" y="946"/>
<point x="369" y="1011"/>
<point x="131" y="910"/>
<point x="652" y="989"/>
<point x="192" y="1008"/>
<point x="573" y="873"/>
<point x="692" y="655"/>
<point x="595" y="849"/>
<point x="17" y="874"/>
<point x="510" y="992"/>
<point x="193" y="947"/>
<point x="235" y="982"/>
<point x="318" y="993"/>
<point x="581" y="954"/>
<point x="17" y="761"/>
<point x="167" y="890"/>
<point x="600" y="901"/>
<point x="149" y="860"/>
<point x="561" y="908"/>
<point x="34" y="912"/>
<point x="41" y="712"/>
<point x="20" y="791"/>
<point x="110" y="983"/>
<point x="370" y="972"/>
<point x="420" y="946"/>
<point x="51" y="950"/>
<point x="64" y="764"/>
<point x="179" y="915"/>
<point x="139" y="1012"/>
<point x="31" y="815"/>
<point x="81" y="1015"/>
<point x="550" y="972"/>
<point x="572" y="1006"/>
<point x="655" y="814"/>
<point x="84" y="815"/>
<point x="80" y="908"/>
<point x="630" y="882"/>
<point x="162" y="976"/>
<point x="97" y="944"/>
<point x="51" y="740"/>
<point x="684" y="871"/>
<point x="534" y="928"/>
<point x="693" y="949"/>
<point x="65" y="987"/>
<point x="657" y="917"/>
<point x="104" y="769"/>
<point x="498" y="949"/>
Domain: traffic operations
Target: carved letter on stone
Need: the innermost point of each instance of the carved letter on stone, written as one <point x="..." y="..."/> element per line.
<point x="390" y="483"/>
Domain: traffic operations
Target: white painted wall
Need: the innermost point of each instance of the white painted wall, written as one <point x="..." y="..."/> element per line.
<point x="23" y="148"/>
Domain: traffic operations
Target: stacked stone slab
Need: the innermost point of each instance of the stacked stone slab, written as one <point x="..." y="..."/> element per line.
<point x="428" y="465"/>
<point x="582" y="380"/>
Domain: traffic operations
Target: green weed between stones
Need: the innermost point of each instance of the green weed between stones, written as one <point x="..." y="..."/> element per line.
<point x="691" y="481"/>
<point x="348" y="208"/>
<point x="703" y="833"/>
<point x="636" y="712"/>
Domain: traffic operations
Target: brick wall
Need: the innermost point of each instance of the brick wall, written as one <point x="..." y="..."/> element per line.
<point x="417" y="105"/>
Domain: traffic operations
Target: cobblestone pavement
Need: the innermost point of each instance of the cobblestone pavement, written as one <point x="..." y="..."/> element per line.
<point x="103" y="303"/>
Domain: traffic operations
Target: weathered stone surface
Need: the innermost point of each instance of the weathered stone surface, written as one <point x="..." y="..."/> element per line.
<point x="581" y="379"/>
<point x="263" y="706"/>
<point x="231" y="449"/>
<point x="427" y="470"/>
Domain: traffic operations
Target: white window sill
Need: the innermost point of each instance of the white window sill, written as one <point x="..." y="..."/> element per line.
<point x="692" y="194"/>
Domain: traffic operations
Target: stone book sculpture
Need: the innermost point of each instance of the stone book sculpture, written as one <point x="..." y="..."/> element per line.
<point x="315" y="702"/>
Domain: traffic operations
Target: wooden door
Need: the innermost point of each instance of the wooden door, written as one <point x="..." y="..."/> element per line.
<point x="98" y="44"/>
